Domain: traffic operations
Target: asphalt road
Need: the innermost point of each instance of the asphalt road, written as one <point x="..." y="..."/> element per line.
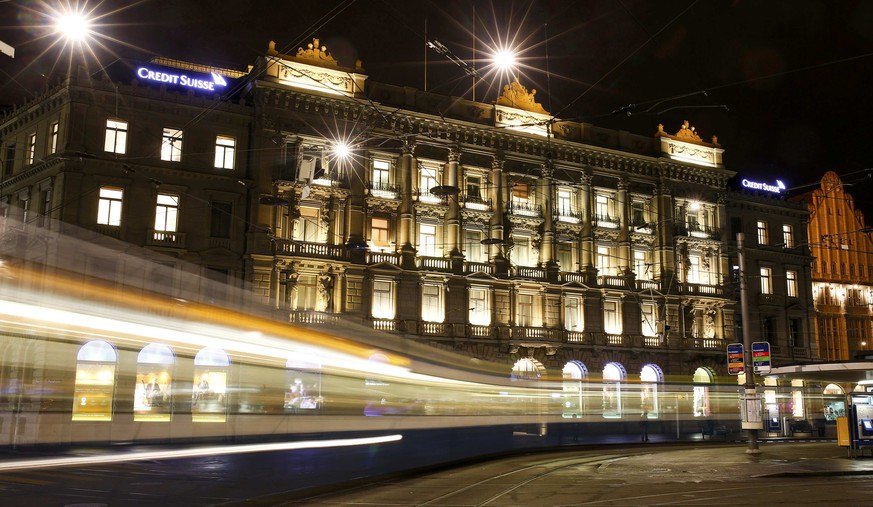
<point x="784" y="473"/>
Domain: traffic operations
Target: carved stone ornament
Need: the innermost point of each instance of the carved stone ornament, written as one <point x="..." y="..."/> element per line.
<point x="515" y="95"/>
<point x="316" y="53"/>
<point x="686" y="133"/>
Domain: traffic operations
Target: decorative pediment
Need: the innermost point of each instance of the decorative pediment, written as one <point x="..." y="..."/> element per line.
<point x="313" y="68"/>
<point x="687" y="146"/>
<point x="687" y="134"/>
<point x="516" y="95"/>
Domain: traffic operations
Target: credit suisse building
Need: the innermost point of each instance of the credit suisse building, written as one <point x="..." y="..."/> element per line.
<point x="555" y="247"/>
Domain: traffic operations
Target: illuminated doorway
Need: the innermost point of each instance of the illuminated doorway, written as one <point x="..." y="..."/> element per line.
<point x="95" y="382"/>
<point x="613" y="375"/>
<point x="209" y="395"/>
<point x="154" y="378"/>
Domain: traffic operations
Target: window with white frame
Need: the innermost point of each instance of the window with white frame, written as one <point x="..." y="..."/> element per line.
<point x="649" y="311"/>
<point x="524" y="310"/>
<point x="381" y="174"/>
<point x="379" y="233"/>
<point x="109" y="206"/>
<point x="694" y="269"/>
<point x="638" y="214"/>
<point x="30" y="155"/>
<point x="474" y="187"/>
<point x="766" y="281"/>
<point x="763" y="234"/>
<point x="171" y="145"/>
<point x="787" y="236"/>
<point x="520" y="254"/>
<point x="54" y="132"/>
<point x="480" y="306"/>
<point x="225" y="152"/>
<point x="308" y="226"/>
<point x="307" y="292"/>
<point x="520" y="192"/>
<point x="565" y="202"/>
<point x="473" y="250"/>
<point x="603" y="206"/>
<point x="432" y="307"/>
<point x="167" y="213"/>
<point x="116" y="137"/>
<point x="383" y="299"/>
<point x="574" y="318"/>
<point x="611" y="317"/>
<point x="427" y="240"/>
<point x="791" y="283"/>
<point x="604" y="261"/>
<point x="428" y="179"/>
<point x="565" y="256"/>
<point x="641" y="265"/>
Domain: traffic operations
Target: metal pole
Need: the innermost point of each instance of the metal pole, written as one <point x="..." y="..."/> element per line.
<point x="749" y="385"/>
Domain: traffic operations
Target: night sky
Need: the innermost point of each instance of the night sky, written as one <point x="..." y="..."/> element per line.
<point x="785" y="85"/>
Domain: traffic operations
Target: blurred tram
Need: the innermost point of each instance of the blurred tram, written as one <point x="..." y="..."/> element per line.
<point x="82" y="362"/>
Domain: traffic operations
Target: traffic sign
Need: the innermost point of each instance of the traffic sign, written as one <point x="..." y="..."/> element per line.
<point x="735" y="358"/>
<point x="761" y="357"/>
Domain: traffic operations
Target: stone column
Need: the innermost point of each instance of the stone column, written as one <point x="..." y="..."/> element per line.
<point x="496" y="190"/>
<point x="665" y="255"/>
<point x="405" y="176"/>
<point x="586" y="238"/>
<point x="452" y="219"/>
<point x="547" y="252"/>
<point x="624" y="242"/>
<point x="355" y="212"/>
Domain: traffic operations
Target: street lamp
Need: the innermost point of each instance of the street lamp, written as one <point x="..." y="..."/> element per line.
<point x="74" y="27"/>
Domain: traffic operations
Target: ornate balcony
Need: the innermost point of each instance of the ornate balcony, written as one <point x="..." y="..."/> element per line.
<point x="384" y="190"/>
<point x="699" y="289"/>
<point x="477" y="203"/>
<point x="697" y="231"/>
<point x="308" y="249"/>
<point x="525" y="209"/>
<point x="567" y="216"/>
<point x="606" y="221"/>
<point x="165" y="239"/>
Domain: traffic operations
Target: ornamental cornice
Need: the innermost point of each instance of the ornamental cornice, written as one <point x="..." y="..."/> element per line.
<point x="642" y="239"/>
<point x="605" y="234"/>
<point x="522" y="222"/>
<point x="476" y="216"/>
<point x="383" y="205"/>
<point x="693" y="242"/>
<point x="429" y="211"/>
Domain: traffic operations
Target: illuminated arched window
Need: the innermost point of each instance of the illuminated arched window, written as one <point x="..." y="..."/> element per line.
<point x="527" y="368"/>
<point x="95" y="382"/>
<point x="154" y="379"/>
<point x="702" y="378"/>
<point x="613" y="375"/>
<point x="209" y="394"/>
<point x="575" y="375"/>
<point x="650" y="376"/>
<point x="303" y="392"/>
<point x="798" y="409"/>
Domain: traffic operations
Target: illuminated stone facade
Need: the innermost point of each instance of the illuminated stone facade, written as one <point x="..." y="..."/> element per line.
<point x="842" y="271"/>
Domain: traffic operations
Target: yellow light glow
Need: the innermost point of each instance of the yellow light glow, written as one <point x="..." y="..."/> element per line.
<point x="73" y="26"/>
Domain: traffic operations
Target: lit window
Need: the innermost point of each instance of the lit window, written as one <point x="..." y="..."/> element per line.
<point x="611" y="318"/>
<point x="225" y="150"/>
<point x="379" y="233"/>
<point x="602" y="206"/>
<point x="694" y="269"/>
<point x="383" y="299"/>
<point x="613" y="374"/>
<point x="788" y="236"/>
<point x="763" y="235"/>
<point x="473" y="250"/>
<point x="520" y="191"/>
<point x="641" y="265"/>
<point x="171" y="146"/>
<point x="565" y="256"/>
<point x="474" y="187"/>
<point x="381" y="173"/>
<point x="524" y="315"/>
<point x="432" y="309"/>
<point x="154" y="380"/>
<point x="603" y="261"/>
<point x="766" y="281"/>
<point x="520" y="254"/>
<point x="429" y="179"/>
<point x="95" y="382"/>
<point x="109" y="206"/>
<point x="209" y="389"/>
<point x="31" y="148"/>
<point x="167" y="213"/>
<point x="427" y="240"/>
<point x="116" y="137"/>
<point x="565" y="203"/>
<point x="791" y="277"/>
<point x="54" y="131"/>
<point x="480" y="306"/>
<point x="307" y="293"/>
<point x="307" y="227"/>
<point x="649" y="319"/>
<point x="573" y="314"/>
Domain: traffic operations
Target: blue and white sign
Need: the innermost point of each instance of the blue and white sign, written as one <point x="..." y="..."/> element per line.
<point x="208" y="82"/>
<point x="757" y="185"/>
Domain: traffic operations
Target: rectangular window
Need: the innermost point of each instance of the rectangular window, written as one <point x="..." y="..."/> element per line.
<point x="167" y="213"/>
<point x="638" y="214"/>
<point x="694" y="269"/>
<point x="171" y="145"/>
<point x="432" y="303"/>
<point x="379" y="233"/>
<point x="565" y="257"/>
<point x="604" y="266"/>
<point x="763" y="235"/>
<point x="474" y="187"/>
<point x="602" y="206"/>
<point x="225" y="151"/>
<point x="795" y="336"/>
<point x="219" y="226"/>
<point x="383" y="299"/>
<point x="524" y="313"/>
<point x="9" y="161"/>
<point x="109" y="206"/>
<point x="54" y="132"/>
<point x="611" y="319"/>
<point x="520" y="191"/>
<point x="473" y="250"/>
<point x="649" y="323"/>
<point x="766" y="281"/>
<point x="427" y="240"/>
<point x="31" y="149"/>
<point x="429" y="178"/>
<point x="787" y="236"/>
<point x="381" y="174"/>
<point x="307" y="292"/>
<point x="641" y="266"/>
<point x="791" y="279"/>
<point x="565" y="202"/>
<point x="480" y="307"/>
<point x="520" y="253"/>
<point x="307" y="226"/>
<point x="116" y="137"/>
<point x="573" y="315"/>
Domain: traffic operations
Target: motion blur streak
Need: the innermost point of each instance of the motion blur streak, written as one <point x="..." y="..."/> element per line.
<point x="194" y="453"/>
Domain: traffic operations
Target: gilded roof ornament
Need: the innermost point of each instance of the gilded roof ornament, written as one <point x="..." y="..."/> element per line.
<point x="686" y="133"/>
<point x="314" y="53"/>
<point x="515" y="95"/>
